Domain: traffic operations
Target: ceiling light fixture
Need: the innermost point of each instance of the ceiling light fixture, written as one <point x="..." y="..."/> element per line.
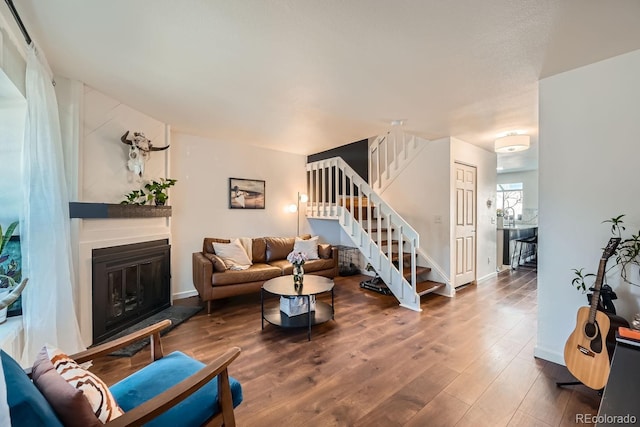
<point x="512" y="143"/>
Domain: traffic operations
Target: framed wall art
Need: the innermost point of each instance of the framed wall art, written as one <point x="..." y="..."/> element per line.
<point x="246" y="193"/>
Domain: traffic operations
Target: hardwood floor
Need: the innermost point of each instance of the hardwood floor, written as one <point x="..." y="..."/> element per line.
<point x="463" y="361"/>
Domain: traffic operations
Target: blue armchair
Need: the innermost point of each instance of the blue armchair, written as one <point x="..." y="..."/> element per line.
<point x="172" y="390"/>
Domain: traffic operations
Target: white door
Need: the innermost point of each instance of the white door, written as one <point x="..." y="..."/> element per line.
<point x="465" y="220"/>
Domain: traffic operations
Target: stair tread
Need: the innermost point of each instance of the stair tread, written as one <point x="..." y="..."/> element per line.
<point x="405" y="256"/>
<point x="374" y="228"/>
<point x="426" y="287"/>
<point x="406" y="272"/>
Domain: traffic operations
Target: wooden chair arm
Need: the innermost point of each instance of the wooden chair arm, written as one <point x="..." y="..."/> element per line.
<point x="171" y="397"/>
<point x="109" y="347"/>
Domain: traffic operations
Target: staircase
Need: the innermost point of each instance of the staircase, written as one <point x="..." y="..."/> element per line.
<point x="388" y="154"/>
<point x="385" y="239"/>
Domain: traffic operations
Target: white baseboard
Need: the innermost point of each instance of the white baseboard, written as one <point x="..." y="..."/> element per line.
<point x="546" y="354"/>
<point x="185" y="294"/>
<point x="487" y="277"/>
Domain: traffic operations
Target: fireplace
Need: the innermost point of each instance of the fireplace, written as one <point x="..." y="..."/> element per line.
<point x="130" y="283"/>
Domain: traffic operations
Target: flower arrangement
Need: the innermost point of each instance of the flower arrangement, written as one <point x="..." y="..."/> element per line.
<point x="297" y="258"/>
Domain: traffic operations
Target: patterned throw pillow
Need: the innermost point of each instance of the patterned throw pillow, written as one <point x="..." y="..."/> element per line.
<point x="102" y="402"/>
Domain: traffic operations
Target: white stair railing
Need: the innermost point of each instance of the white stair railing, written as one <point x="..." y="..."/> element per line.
<point x="336" y="191"/>
<point x="389" y="154"/>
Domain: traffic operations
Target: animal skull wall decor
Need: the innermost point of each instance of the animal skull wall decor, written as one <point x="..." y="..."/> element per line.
<point x="139" y="151"/>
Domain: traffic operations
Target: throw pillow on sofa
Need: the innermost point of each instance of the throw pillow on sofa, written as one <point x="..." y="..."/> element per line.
<point x="308" y="247"/>
<point x="233" y="255"/>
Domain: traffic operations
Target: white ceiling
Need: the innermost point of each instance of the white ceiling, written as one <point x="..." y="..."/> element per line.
<point x="304" y="76"/>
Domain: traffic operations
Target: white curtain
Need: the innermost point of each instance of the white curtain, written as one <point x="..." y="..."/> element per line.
<point x="49" y="315"/>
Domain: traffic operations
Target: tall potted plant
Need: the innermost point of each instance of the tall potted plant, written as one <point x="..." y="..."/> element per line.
<point x="9" y="291"/>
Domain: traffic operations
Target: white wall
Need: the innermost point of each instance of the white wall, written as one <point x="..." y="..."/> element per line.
<point x="96" y="165"/>
<point x="200" y="199"/>
<point x="529" y="180"/>
<point x="420" y="194"/>
<point x="589" y="151"/>
<point x="485" y="163"/>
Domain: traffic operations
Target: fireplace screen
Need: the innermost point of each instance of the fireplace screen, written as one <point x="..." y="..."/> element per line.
<point x="130" y="283"/>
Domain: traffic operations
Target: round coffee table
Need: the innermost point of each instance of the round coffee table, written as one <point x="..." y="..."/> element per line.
<point x="283" y="287"/>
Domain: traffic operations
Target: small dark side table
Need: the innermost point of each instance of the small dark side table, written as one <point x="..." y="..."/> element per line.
<point x="283" y="286"/>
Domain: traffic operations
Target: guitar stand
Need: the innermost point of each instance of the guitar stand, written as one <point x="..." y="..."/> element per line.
<point x="562" y="384"/>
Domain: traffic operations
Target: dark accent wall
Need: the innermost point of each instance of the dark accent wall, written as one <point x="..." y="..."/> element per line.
<point x="355" y="154"/>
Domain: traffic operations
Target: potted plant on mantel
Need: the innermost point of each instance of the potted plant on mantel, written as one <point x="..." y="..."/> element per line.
<point x="157" y="190"/>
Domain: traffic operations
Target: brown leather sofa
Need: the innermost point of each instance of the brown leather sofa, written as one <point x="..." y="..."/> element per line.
<point x="213" y="281"/>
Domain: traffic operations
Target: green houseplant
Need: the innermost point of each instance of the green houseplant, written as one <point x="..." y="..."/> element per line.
<point x="9" y="291"/>
<point x="135" y="197"/>
<point x="6" y="274"/>
<point x="157" y="190"/>
<point x="626" y="255"/>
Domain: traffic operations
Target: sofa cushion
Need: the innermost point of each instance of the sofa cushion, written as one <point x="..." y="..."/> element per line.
<point x="278" y="247"/>
<point x="308" y="247"/>
<point x="255" y="273"/>
<point x="218" y="263"/>
<point x="324" y="251"/>
<point x="259" y="249"/>
<point x="309" y="266"/>
<point x="68" y="402"/>
<point x="161" y="375"/>
<point x="27" y="406"/>
<point x="233" y="254"/>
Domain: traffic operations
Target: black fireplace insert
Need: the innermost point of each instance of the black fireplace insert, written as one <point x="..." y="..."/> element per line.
<point x="130" y="283"/>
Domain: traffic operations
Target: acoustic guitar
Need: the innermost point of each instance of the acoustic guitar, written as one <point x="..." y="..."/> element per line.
<point x="585" y="352"/>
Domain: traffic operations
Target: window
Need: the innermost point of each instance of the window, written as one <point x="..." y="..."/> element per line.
<point x="509" y="200"/>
